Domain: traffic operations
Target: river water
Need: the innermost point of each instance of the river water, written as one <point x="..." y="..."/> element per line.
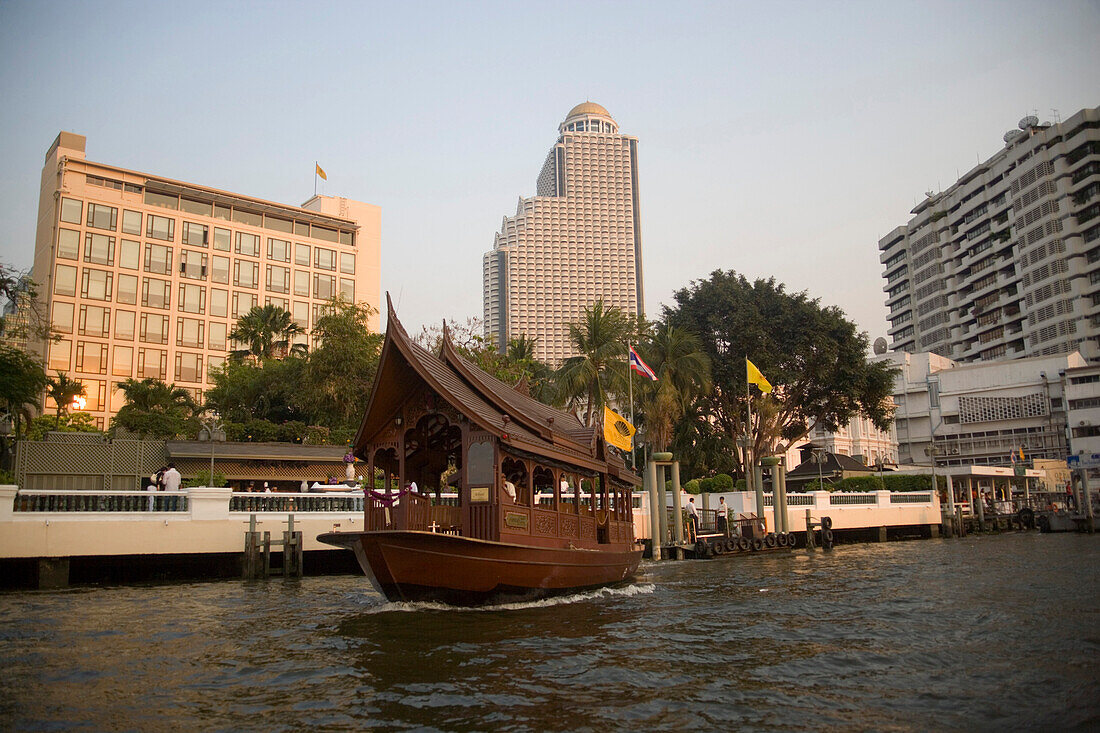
<point x="983" y="632"/>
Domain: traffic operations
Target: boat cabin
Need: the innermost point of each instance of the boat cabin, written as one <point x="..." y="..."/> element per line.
<point x="452" y="449"/>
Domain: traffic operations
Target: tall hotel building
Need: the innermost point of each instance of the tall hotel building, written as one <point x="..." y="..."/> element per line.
<point x="577" y="240"/>
<point x="144" y="276"/>
<point x="1006" y="262"/>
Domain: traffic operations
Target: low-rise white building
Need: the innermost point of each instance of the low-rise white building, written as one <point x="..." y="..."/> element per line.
<point x="986" y="413"/>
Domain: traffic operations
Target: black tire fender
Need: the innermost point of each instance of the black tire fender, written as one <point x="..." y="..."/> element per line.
<point x="826" y="522"/>
<point x="743" y="544"/>
<point x="731" y="546"/>
<point x="719" y="547"/>
<point x="827" y="536"/>
<point x="770" y="540"/>
<point x="701" y="548"/>
<point x="757" y="544"/>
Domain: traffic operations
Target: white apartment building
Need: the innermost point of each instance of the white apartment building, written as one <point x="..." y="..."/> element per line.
<point x="1006" y="262"/>
<point x="1082" y="402"/>
<point x="984" y="412"/>
<point x="577" y="240"/>
<point x="145" y="276"/>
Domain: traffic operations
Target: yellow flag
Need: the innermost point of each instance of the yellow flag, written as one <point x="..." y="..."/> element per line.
<point x="755" y="377"/>
<point x="616" y="430"/>
<point x="320" y="172"/>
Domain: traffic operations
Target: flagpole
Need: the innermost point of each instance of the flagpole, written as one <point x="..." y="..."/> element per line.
<point x="316" y="165"/>
<point x="630" y="389"/>
<point x="750" y="477"/>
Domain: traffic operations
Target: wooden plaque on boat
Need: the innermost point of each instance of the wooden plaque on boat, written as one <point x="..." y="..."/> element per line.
<point x="479" y="493"/>
<point x="516" y="520"/>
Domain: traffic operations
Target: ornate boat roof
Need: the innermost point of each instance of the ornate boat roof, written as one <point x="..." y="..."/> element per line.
<point x="516" y="419"/>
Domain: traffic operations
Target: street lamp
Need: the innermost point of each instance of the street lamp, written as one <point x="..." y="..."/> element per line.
<point x="819" y="458"/>
<point x="214" y="431"/>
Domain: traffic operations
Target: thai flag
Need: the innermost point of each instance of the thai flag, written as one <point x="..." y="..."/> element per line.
<point x="640" y="366"/>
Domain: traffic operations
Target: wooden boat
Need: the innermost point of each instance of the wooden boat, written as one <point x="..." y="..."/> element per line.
<point x="449" y="444"/>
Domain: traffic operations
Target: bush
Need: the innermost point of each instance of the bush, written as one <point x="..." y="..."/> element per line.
<point x="721" y="483"/>
<point x="890" y="482"/>
<point x="741" y="485"/>
<point x="202" y="478"/>
<point x="692" y="487"/>
<point x="76" y="422"/>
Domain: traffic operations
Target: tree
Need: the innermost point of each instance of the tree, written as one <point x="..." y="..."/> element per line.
<point x="267" y="331"/>
<point x="29" y="320"/>
<point x="63" y="390"/>
<point x="342" y="365"/>
<point x="22" y="380"/>
<point x="683" y="375"/>
<point x="273" y="390"/>
<point x="154" y="409"/>
<point x="811" y="354"/>
<point x="601" y="337"/>
<point x="75" y="422"/>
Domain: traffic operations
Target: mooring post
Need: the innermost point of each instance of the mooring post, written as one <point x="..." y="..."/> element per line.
<point x="677" y="511"/>
<point x="267" y="554"/>
<point x="1086" y="496"/>
<point x="783" y="493"/>
<point x="758" y="489"/>
<point x="662" y="502"/>
<point x="809" y="530"/>
<point x="960" y="528"/>
<point x="655" y="510"/>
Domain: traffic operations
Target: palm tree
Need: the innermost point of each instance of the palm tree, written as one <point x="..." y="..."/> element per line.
<point x="600" y="337"/>
<point x="154" y="408"/>
<point x="683" y="373"/>
<point x="267" y="330"/>
<point x="63" y="390"/>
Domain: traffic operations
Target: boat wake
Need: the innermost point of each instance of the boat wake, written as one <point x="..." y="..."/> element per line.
<point x="599" y="593"/>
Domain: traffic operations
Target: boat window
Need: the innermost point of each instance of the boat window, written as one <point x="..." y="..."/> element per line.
<point x="479" y="470"/>
<point x="568" y="486"/>
<point x="586" y="492"/>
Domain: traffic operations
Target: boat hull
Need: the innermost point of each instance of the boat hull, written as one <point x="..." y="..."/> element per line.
<point x="426" y="566"/>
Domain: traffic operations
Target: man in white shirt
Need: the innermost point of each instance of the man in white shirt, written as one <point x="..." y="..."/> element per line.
<point x="694" y="514"/>
<point x="172" y="478"/>
<point x="509" y="488"/>
<point x="723" y="516"/>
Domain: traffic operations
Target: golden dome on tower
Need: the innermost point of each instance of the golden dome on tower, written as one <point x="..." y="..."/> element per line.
<point x="588" y="108"/>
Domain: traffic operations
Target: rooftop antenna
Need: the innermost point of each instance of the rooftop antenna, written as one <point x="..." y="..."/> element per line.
<point x="1057" y="116"/>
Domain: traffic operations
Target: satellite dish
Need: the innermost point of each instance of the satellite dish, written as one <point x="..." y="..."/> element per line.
<point x="1013" y="135"/>
<point x="1028" y="122"/>
<point x="879" y="346"/>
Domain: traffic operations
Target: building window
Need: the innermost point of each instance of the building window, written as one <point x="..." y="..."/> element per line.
<point x="222" y="239"/>
<point x="158" y="259"/>
<point x="218" y="335"/>
<point x="94" y="321"/>
<point x="71" y="209"/>
<point x="300" y="313"/>
<point x="123" y="363"/>
<point x="193" y="264"/>
<point x="152" y="363"/>
<point x="320" y="311"/>
<point x="124" y="325"/>
<point x="102" y="217"/>
<point x="131" y="222"/>
<point x="68" y="244"/>
<point x="64" y="282"/>
<point x="247" y="217"/>
<point x="191" y="206"/>
<point x="347" y="289"/>
<point x="129" y="254"/>
<point x="62" y="320"/>
<point x="192" y="299"/>
<point x="301" y="283"/>
<point x="189" y="332"/>
<point x="281" y="303"/>
<point x="347" y="263"/>
<point x="194" y="234"/>
<point x="324" y="259"/>
<point x="243" y="303"/>
<point x="278" y="250"/>
<point x="163" y="200"/>
<point x="324" y="287"/>
<point x="219" y="302"/>
<point x="154" y="329"/>
<point x="60" y="355"/>
<point x="99" y="249"/>
<point x="248" y="244"/>
<point x="95" y="394"/>
<point x="246" y="274"/>
<point x="219" y="273"/>
<point x="160" y="227"/>
<point x="127" y="289"/>
<point x="188" y="367"/>
<point x="301" y="229"/>
<point x="278" y="279"/>
<point x="96" y="284"/>
<point x="155" y="293"/>
<point x="301" y="255"/>
<point x="91" y="358"/>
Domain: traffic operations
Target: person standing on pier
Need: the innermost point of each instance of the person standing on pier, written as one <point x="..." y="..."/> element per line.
<point x="723" y="515"/>
<point x="693" y="513"/>
<point x="172" y="478"/>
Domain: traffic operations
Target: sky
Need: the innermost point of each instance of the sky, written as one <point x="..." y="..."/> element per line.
<point x="775" y="139"/>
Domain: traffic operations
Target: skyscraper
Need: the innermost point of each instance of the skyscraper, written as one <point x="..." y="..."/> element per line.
<point x="1005" y="263"/>
<point x="145" y="276"/>
<point x="576" y="241"/>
